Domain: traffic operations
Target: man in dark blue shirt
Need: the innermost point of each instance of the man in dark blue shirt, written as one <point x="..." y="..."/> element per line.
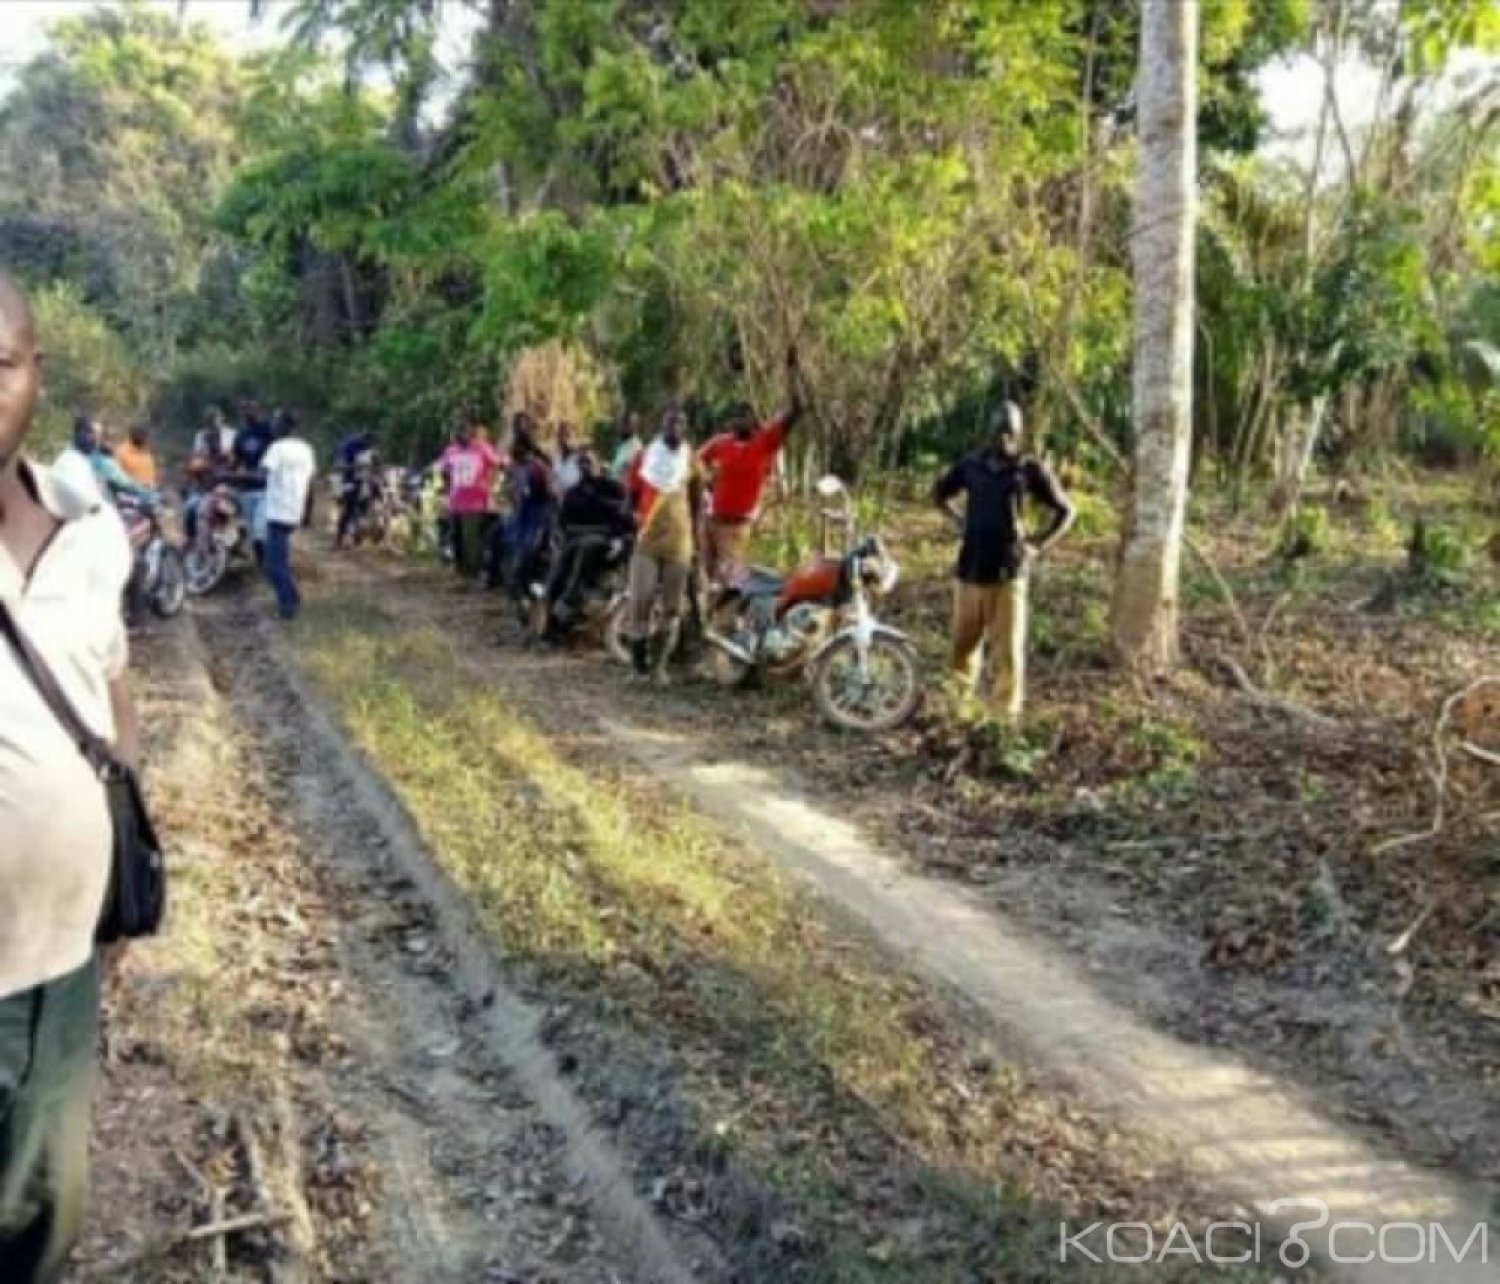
<point x="252" y="441"/>
<point x="250" y="445"/>
<point x="356" y="461"/>
<point x="989" y="601"/>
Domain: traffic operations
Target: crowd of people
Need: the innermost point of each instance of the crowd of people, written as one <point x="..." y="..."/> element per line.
<point x="676" y="519"/>
<point x="673" y="514"/>
<point x="544" y="521"/>
<point x="543" y="517"/>
<point x="262" y="462"/>
<point x="269" y="468"/>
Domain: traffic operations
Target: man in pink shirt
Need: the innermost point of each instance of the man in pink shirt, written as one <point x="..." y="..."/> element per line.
<point x="470" y="464"/>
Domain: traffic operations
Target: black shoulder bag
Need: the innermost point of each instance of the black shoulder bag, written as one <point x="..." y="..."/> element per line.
<point x="137" y="894"/>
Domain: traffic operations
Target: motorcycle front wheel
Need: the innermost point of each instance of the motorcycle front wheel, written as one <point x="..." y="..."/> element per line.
<point x="204" y="565"/>
<point x="170" y="590"/>
<point x="881" y="698"/>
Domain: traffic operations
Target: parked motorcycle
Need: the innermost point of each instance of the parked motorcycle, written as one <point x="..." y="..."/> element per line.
<point x="222" y="539"/>
<point x="819" y="621"/>
<point x="599" y="592"/>
<point x="374" y="494"/>
<point x="414" y="500"/>
<point x="159" y="575"/>
<point x="616" y="621"/>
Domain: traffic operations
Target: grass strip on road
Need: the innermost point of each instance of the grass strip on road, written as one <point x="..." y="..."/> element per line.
<point x="840" y="1125"/>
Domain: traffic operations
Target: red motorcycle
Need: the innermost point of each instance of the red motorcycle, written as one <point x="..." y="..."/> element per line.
<point x="159" y="575"/>
<point x="819" y="621"/>
<point x="221" y="538"/>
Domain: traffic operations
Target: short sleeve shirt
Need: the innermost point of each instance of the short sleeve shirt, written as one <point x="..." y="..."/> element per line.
<point x="289" y="466"/>
<point x="741" y="470"/>
<point x="471" y="474"/>
<point x="250" y="446"/>
<point x="55" y="834"/>
<point x="665" y="521"/>
<point x="138" y="463"/>
<point x="995" y="492"/>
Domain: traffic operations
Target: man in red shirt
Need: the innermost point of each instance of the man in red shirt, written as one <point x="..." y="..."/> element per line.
<point x="740" y="461"/>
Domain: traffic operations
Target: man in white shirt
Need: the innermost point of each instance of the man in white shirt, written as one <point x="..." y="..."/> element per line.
<point x="569" y="471"/>
<point x="215" y="441"/>
<point x="74" y="465"/>
<point x="64" y="560"/>
<point x="289" y="465"/>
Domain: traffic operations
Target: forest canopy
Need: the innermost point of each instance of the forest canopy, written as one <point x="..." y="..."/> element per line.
<point x="932" y="203"/>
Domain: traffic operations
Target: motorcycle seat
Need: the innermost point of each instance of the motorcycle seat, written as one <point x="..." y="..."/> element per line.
<point x="757" y="581"/>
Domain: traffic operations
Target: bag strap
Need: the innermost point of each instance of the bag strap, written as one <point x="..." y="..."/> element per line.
<point x="92" y="746"/>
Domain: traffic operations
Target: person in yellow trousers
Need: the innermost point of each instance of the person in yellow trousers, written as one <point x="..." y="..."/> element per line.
<point x="994" y="559"/>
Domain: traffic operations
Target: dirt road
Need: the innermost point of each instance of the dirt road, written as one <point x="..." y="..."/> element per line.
<point x="1266" y="1143"/>
<point x="317" y="1048"/>
<point x="328" y="1053"/>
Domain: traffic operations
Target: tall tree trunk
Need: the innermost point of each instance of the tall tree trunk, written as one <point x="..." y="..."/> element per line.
<point x="1145" y="614"/>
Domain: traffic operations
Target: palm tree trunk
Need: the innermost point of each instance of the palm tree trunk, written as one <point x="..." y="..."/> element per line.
<point x="1145" y="612"/>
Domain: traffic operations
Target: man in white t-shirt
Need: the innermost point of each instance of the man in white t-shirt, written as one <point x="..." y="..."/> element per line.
<point x="569" y="460"/>
<point x="289" y="465"/>
<point x="64" y="560"/>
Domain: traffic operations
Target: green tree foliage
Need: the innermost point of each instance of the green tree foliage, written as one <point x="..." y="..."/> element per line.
<point x="90" y="369"/>
<point x="930" y="201"/>
<point x="1353" y="291"/>
<point x="113" y="148"/>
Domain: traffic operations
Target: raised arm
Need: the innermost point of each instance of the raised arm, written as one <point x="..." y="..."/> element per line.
<point x="788" y="418"/>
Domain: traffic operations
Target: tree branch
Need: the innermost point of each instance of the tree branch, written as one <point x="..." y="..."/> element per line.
<point x="1440" y="775"/>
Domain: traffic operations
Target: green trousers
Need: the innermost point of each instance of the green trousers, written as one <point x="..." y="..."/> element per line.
<point x="49" y="1040"/>
<point x="471" y="533"/>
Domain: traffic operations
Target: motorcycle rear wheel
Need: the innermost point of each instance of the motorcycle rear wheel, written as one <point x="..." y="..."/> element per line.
<point x="169" y="593"/>
<point x="727" y="671"/>
<point x="881" y="700"/>
<point x="204" y="566"/>
<point x="616" y="635"/>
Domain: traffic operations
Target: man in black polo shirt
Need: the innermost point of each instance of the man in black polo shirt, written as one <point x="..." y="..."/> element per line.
<point x="989" y="601"/>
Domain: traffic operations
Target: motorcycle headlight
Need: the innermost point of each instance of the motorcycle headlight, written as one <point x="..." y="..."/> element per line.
<point x="878" y="571"/>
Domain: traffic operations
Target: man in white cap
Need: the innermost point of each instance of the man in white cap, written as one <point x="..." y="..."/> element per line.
<point x="990" y="593"/>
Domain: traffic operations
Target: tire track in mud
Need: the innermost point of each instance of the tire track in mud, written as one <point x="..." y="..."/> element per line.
<point x="1263" y="1141"/>
<point x="484" y="1098"/>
